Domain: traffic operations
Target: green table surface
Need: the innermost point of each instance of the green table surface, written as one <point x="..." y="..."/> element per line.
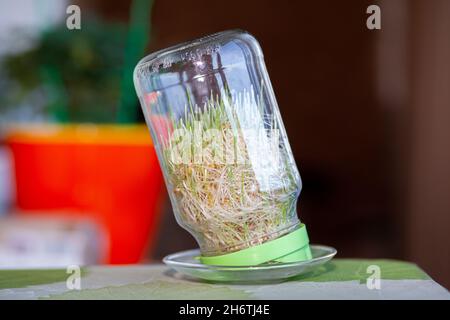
<point x="339" y="279"/>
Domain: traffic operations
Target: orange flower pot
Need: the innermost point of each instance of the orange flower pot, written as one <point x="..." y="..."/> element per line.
<point x="109" y="173"/>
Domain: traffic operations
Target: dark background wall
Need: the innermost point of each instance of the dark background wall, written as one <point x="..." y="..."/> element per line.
<point x="320" y="57"/>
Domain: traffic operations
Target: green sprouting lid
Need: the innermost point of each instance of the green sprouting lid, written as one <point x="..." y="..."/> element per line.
<point x="288" y="248"/>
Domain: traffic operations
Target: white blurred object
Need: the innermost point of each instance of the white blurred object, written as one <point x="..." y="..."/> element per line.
<point x="6" y="180"/>
<point x="27" y="17"/>
<point x="44" y="241"/>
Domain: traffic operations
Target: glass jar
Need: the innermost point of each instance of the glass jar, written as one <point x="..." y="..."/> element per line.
<point x="220" y="140"/>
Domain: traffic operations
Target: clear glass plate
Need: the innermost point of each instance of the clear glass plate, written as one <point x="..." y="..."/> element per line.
<point x="187" y="263"/>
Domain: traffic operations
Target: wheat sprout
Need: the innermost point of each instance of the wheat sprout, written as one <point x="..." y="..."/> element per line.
<point x="231" y="206"/>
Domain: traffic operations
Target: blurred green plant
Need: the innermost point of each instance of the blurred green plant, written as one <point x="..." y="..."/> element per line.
<point x="80" y="75"/>
<point x="77" y="73"/>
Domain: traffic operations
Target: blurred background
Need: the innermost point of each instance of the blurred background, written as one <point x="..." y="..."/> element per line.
<point x="367" y="114"/>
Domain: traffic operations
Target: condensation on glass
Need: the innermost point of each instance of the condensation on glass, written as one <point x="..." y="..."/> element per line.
<point x="220" y="140"/>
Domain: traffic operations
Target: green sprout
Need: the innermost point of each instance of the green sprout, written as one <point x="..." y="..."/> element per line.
<point x="227" y="204"/>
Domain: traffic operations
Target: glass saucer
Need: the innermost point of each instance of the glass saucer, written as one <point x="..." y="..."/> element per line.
<point x="187" y="263"/>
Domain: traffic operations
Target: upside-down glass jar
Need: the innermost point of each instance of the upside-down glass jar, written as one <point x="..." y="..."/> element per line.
<point x="221" y="143"/>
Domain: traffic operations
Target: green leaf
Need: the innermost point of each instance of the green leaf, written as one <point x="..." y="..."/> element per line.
<point x="157" y="290"/>
<point x="23" y="278"/>
<point x="352" y="269"/>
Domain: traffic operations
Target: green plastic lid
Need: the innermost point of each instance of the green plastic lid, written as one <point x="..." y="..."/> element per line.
<point x="291" y="247"/>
